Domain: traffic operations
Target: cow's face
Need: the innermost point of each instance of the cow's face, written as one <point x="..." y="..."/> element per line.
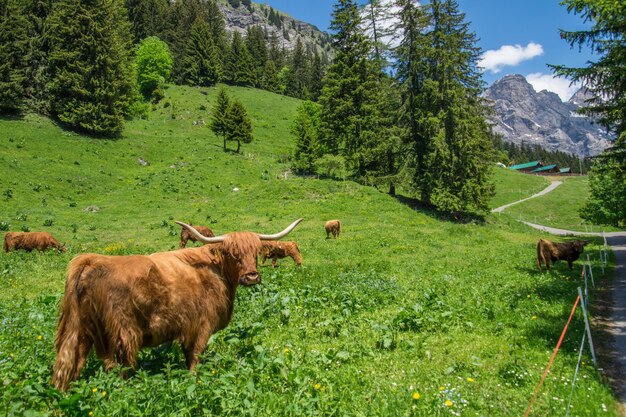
<point x="579" y="245"/>
<point x="242" y="249"/>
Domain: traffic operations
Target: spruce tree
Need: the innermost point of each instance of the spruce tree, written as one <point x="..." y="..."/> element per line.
<point x="450" y="150"/>
<point x="239" y="126"/>
<point x="91" y="77"/>
<point x="305" y="128"/>
<point x="201" y="62"/>
<point x="239" y="67"/>
<point x="219" y="124"/>
<point x="255" y="43"/>
<point x="605" y="78"/>
<point x="182" y="16"/>
<point x="297" y="80"/>
<point x="37" y="60"/>
<point x="351" y="122"/>
<point x="14" y="48"/>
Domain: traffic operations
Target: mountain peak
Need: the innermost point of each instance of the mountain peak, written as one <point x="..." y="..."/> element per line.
<point x="524" y="115"/>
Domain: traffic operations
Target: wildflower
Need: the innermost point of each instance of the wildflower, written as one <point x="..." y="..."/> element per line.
<point x="448" y="403"/>
<point x="39" y="337"/>
<point x="441" y="388"/>
<point x="104" y="393"/>
<point x="94" y="390"/>
<point x="317" y="386"/>
<point x="534" y="317"/>
<point x="286" y="350"/>
<point x="528" y="296"/>
<point x="416" y="395"/>
<point x="471" y="380"/>
<point x="91" y="414"/>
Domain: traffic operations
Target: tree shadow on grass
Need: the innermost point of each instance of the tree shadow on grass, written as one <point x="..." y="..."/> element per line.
<point x="430" y="211"/>
<point x="12" y="116"/>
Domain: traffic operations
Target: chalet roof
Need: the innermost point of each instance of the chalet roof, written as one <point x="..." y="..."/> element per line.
<point x="526" y="165"/>
<point x="546" y="168"/>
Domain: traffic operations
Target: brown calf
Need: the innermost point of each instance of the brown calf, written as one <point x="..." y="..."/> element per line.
<point x="185" y="235"/>
<point x="30" y="241"/>
<point x="332" y="227"/>
<point x="279" y="250"/>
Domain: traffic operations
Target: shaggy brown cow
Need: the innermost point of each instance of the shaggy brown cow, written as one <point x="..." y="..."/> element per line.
<point x="332" y="227"/>
<point x="119" y="304"/>
<point x="30" y="241"/>
<point x="186" y="235"/>
<point x="550" y="252"/>
<point x="279" y="250"/>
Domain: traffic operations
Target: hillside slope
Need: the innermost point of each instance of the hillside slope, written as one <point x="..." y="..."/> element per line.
<point x="403" y="314"/>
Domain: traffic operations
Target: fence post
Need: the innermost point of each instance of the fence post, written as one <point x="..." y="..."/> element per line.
<point x="580" y="356"/>
<point x="593" y="284"/>
<point x="602" y="261"/>
<point x="588" y="329"/>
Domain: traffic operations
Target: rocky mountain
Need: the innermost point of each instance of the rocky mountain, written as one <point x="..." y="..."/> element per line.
<point x="239" y="15"/>
<point x="524" y="115"/>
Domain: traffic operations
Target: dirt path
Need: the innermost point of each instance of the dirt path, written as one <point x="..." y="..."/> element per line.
<point x="615" y="324"/>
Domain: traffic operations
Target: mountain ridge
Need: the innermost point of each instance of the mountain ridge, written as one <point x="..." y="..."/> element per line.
<point x="523" y="115"/>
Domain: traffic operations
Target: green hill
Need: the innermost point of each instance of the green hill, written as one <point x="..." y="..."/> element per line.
<point x="403" y="314"/>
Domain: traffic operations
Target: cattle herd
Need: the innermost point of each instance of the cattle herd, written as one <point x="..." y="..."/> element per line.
<point x="120" y="304"/>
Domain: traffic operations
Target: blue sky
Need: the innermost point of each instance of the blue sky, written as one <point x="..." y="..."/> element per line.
<point x="517" y="37"/>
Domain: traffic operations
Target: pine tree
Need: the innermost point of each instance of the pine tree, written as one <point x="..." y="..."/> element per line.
<point x="182" y="16"/>
<point x="297" y="79"/>
<point x="219" y="124"/>
<point x="239" y="126"/>
<point x="239" y="67"/>
<point x="201" y="62"/>
<point x="305" y="128"/>
<point x="91" y="78"/>
<point x="606" y="80"/>
<point x="270" y="77"/>
<point x="447" y="131"/>
<point x="315" y="77"/>
<point x="37" y="59"/>
<point x="351" y="123"/>
<point x="14" y="31"/>
<point x="255" y="43"/>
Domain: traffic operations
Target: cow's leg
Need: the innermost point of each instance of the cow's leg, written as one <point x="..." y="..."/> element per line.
<point x="105" y="353"/>
<point x="274" y="262"/>
<point x="570" y="264"/>
<point x="183" y="243"/>
<point x="263" y="259"/>
<point x="196" y="347"/>
<point x="82" y="351"/>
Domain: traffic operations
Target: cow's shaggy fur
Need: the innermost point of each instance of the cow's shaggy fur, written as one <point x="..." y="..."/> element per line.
<point x="185" y="235"/>
<point x="30" y="241"/>
<point x="333" y="227"/>
<point x="279" y="250"/>
<point x="549" y="252"/>
<point x="119" y="304"/>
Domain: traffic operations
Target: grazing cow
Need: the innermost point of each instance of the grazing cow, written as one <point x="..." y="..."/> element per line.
<point x="279" y="250"/>
<point x="332" y="227"/>
<point x="550" y="252"/>
<point x="186" y="235"/>
<point x="119" y="304"/>
<point x="30" y="241"/>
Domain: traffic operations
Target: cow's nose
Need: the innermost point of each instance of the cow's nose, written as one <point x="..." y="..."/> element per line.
<point x="250" y="278"/>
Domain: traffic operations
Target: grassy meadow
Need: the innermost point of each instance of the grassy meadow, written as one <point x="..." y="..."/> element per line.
<point x="405" y="314"/>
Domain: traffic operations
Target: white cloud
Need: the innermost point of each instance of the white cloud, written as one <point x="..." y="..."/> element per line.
<point x="560" y="86"/>
<point x="509" y="55"/>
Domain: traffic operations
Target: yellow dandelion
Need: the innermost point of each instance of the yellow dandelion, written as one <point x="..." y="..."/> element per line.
<point x="317" y="386"/>
<point x="528" y="296"/>
<point x="534" y="317"/>
<point x="416" y="395"/>
<point x="448" y="403"/>
<point x="213" y="372"/>
<point x="286" y="350"/>
<point x="471" y="380"/>
<point x="94" y="390"/>
<point x="104" y="393"/>
<point x="441" y="388"/>
<point x="39" y="337"/>
<point x="90" y="413"/>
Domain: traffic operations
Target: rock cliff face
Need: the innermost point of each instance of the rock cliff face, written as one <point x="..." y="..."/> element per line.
<point x="524" y="115"/>
<point x="286" y="29"/>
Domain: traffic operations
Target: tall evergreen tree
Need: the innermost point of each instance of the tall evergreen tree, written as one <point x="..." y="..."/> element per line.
<point x="14" y="47"/>
<point x="239" y="125"/>
<point x="37" y="60"/>
<point x="91" y="78"/>
<point x="219" y="124"/>
<point x="447" y="129"/>
<point x="315" y="77"/>
<point x="605" y="78"/>
<point x="305" y="128"/>
<point x="255" y="43"/>
<point x="297" y="79"/>
<point x="182" y="16"/>
<point x="351" y="100"/>
<point x="239" y="67"/>
<point x="201" y="62"/>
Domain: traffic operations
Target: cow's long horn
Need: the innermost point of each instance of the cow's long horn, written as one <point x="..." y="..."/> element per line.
<point x="280" y="234"/>
<point x="201" y="238"/>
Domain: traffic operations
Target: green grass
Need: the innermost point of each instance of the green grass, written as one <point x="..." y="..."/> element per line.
<point x="514" y="186"/>
<point x="559" y="208"/>
<point x="401" y="303"/>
